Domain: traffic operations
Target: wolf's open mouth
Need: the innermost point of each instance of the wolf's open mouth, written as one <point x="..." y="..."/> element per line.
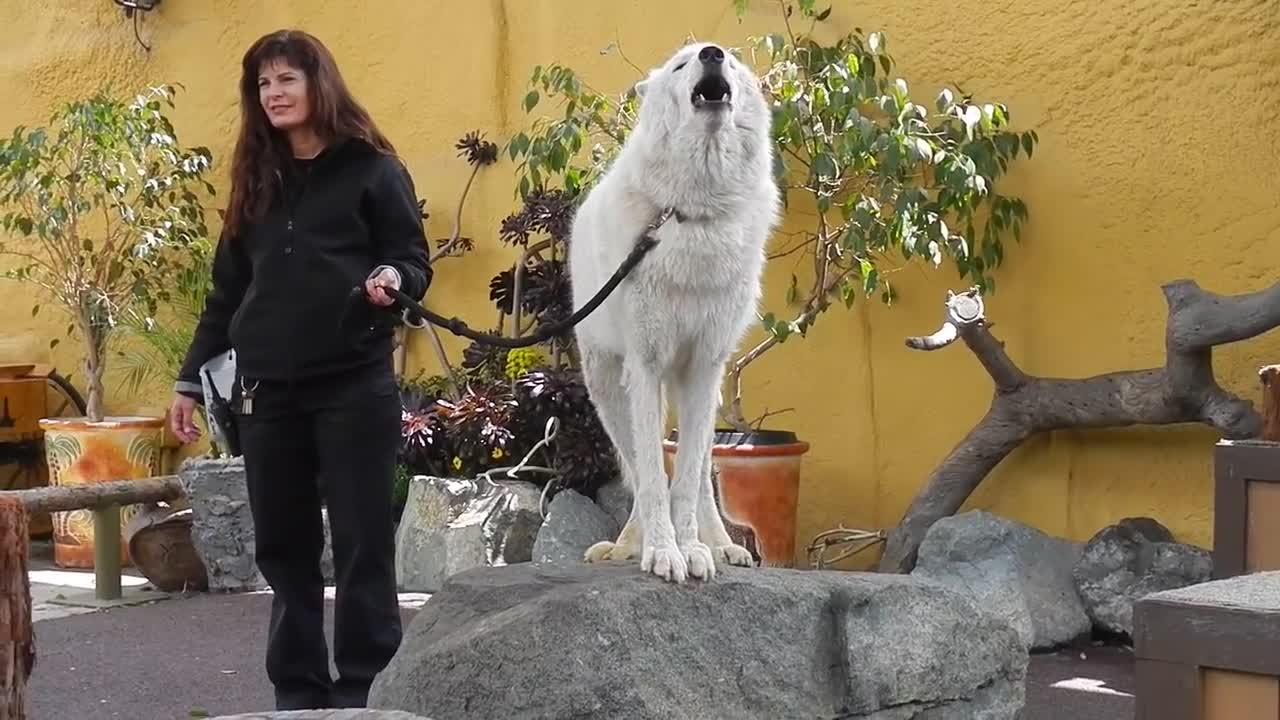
<point x="711" y="90"/>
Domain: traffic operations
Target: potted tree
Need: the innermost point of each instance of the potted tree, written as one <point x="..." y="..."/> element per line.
<point x="884" y="179"/>
<point x="98" y="211"/>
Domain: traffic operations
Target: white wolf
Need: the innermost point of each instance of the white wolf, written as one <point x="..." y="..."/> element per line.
<point x="702" y="147"/>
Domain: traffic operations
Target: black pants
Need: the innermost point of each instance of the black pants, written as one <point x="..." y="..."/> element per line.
<point x="333" y="439"/>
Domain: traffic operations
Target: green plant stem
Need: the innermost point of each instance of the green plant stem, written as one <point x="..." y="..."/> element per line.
<point x="437" y="346"/>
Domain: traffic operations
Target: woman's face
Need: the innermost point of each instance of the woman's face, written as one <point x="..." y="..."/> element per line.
<point x="282" y="90"/>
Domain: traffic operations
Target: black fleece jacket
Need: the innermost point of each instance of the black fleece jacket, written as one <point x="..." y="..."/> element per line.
<point x="281" y="285"/>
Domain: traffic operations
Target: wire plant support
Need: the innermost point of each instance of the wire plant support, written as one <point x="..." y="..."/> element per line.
<point x="548" y="434"/>
<point x="842" y="537"/>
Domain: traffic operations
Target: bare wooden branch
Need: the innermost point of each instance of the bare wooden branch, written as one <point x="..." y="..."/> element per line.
<point x="61" y="498"/>
<point x="1270" y="377"/>
<point x="1183" y="391"/>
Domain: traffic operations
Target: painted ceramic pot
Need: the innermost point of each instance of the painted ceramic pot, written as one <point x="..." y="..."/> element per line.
<point x="757" y="479"/>
<point x="81" y="452"/>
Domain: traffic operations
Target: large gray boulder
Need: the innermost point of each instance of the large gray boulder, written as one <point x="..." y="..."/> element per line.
<point x="454" y="524"/>
<point x="573" y="524"/>
<point x="608" y="641"/>
<point x="1017" y="572"/>
<point x="222" y="524"/>
<point x="1125" y="562"/>
<point x="349" y="714"/>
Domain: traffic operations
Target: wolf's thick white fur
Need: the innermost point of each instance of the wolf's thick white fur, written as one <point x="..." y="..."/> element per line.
<point x="670" y="328"/>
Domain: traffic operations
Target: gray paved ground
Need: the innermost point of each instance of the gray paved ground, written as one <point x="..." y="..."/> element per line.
<point x="160" y="661"/>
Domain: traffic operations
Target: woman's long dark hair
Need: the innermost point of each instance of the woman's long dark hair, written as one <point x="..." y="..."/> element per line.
<point x="261" y="150"/>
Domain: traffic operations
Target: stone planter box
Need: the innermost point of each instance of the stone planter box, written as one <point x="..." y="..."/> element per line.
<point x="1246" y="516"/>
<point x="1210" y="651"/>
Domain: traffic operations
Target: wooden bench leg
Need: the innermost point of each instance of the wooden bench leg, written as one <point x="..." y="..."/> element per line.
<point x="106" y="553"/>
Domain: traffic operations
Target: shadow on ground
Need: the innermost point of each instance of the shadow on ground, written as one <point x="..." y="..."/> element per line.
<point x="204" y="652"/>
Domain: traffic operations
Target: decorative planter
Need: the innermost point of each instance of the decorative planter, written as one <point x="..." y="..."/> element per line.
<point x="757" y="479"/>
<point x="81" y="452"/>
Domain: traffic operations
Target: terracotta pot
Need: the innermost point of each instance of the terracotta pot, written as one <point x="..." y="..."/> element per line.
<point x="81" y="452"/>
<point x="757" y="479"/>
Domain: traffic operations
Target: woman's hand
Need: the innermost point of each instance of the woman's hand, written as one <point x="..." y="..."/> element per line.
<point x="385" y="278"/>
<point x="182" y="419"/>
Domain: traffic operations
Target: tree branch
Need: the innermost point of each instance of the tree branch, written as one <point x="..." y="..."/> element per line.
<point x="1184" y="391"/>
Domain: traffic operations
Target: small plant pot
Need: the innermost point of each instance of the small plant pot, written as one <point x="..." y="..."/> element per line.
<point x="757" y="485"/>
<point x="82" y="452"/>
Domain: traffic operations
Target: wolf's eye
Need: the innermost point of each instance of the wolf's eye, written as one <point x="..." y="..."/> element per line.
<point x="681" y="66"/>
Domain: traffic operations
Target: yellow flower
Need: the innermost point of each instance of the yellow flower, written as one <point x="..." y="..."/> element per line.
<point x="497" y="453"/>
<point x="519" y="360"/>
<point x="457" y="463"/>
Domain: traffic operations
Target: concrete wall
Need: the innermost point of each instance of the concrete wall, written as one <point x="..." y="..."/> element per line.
<point x="1156" y="163"/>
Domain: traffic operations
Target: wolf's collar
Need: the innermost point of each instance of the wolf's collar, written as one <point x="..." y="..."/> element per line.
<point x="666" y="214"/>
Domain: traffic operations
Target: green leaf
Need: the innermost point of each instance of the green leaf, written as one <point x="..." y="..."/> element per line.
<point x="848" y="293"/>
<point x="824" y="167"/>
<point x="530" y="100"/>
<point x="944" y="100"/>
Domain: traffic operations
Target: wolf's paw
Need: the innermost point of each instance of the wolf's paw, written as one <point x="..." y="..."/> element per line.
<point x="734" y="555"/>
<point x="606" y="550"/>
<point x="665" y="561"/>
<point x="702" y="564"/>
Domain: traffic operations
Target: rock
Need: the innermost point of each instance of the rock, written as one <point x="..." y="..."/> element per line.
<point x="607" y="641"/>
<point x="454" y="524"/>
<point x="1127" y="561"/>
<point x="355" y="714"/>
<point x="573" y="524"/>
<point x="1016" y="571"/>
<point x="222" y="526"/>
<point x="615" y="499"/>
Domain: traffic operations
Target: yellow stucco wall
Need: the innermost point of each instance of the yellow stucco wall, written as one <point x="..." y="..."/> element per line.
<point x="1155" y="163"/>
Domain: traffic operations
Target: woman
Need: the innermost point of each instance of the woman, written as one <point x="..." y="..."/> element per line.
<point x="319" y="204"/>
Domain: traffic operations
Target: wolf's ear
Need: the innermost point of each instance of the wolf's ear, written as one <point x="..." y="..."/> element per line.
<point x="641" y="87"/>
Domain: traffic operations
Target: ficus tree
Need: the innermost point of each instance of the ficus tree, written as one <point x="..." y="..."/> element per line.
<point x="98" y="211"/>
<point x="888" y="178"/>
